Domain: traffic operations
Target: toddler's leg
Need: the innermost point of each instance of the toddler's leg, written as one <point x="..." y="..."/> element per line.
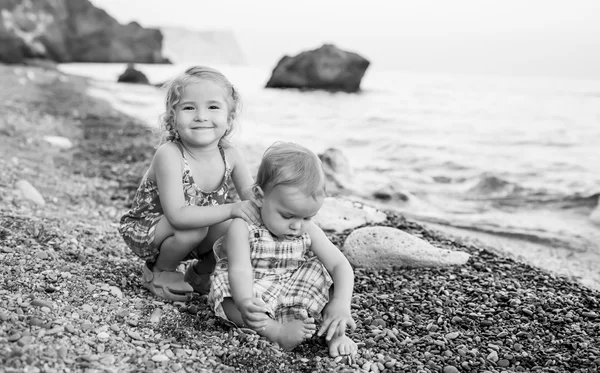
<point x="288" y="335"/>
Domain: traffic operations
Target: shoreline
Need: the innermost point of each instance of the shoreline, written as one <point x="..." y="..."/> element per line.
<point x="560" y="256"/>
<point x="70" y="296"/>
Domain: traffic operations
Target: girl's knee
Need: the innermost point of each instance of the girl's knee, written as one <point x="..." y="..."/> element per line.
<point x="191" y="237"/>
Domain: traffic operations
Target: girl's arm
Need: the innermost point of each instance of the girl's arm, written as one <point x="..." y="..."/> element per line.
<point x="240" y="174"/>
<point x="167" y="170"/>
<point x="241" y="280"/>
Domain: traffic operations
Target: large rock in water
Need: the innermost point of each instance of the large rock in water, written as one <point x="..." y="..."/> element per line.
<point x="385" y="247"/>
<point x="72" y="31"/>
<point x="328" y="68"/>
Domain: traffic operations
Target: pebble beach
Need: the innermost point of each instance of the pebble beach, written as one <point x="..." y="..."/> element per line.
<point x="71" y="300"/>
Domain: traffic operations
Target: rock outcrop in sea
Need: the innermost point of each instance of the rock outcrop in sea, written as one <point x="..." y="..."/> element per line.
<point x="73" y="31"/>
<point x="327" y="68"/>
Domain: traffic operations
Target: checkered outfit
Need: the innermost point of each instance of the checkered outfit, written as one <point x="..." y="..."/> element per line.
<point x="138" y="225"/>
<point x="287" y="276"/>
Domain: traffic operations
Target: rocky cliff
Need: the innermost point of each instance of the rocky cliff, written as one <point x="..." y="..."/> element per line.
<point x="185" y="46"/>
<point x="72" y="31"/>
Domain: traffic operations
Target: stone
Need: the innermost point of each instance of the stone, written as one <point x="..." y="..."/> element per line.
<point x="384" y="247"/>
<point x="29" y="192"/>
<point x="338" y="215"/>
<point x="338" y="172"/>
<point x="327" y="68"/>
<point x="132" y="75"/>
<point x="59" y="142"/>
<point x="595" y="215"/>
<point x="73" y="31"/>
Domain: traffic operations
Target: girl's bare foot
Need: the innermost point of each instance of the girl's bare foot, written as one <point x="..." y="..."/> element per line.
<point x="291" y="334"/>
<point x="342" y="345"/>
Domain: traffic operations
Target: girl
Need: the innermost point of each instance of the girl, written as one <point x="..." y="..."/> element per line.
<point x="267" y="276"/>
<point x="178" y="211"/>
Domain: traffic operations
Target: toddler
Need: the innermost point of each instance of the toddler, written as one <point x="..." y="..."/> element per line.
<point x="282" y="275"/>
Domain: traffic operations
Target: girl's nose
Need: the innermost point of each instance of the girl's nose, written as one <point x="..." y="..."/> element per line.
<point x="200" y="116"/>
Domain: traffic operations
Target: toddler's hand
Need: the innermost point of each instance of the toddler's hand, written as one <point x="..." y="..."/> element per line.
<point x="336" y="318"/>
<point x="246" y="210"/>
<point x="254" y="312"/>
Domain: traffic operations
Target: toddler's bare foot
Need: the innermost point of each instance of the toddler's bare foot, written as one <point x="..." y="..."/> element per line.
<point x="291" y="334"/>
<point x="342" y="345"/>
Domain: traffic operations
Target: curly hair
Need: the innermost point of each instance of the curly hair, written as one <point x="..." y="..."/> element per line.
<point x="167" y="122"/>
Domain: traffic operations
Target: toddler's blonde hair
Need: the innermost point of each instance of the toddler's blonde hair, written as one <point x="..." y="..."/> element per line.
<point x="290" y="164"/>
<point x="167" y="122"/>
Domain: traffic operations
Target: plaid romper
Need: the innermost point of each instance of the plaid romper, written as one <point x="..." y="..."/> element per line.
<point x="287" y="276"/>
<point x="139" y="223"/>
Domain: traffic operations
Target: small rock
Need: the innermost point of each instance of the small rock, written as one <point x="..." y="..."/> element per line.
<point x="160" y="358"/>
<point x="103" y="336"/>
<point x="503" y="363"/>
<point x="156" y="315"/>
<point x="493" y="356"/>
<point x="589" y="314"/>
<point x="41" y="303"/>
<point x="450" y="369"/>
<point x="58" y="142"/>
<point x="452" y="335"/>
<point x="29" y="192"/>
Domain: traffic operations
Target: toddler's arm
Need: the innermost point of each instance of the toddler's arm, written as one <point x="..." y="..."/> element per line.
<point x="166" y="165"/>
<point x="236" y="244"/>
<point x="336" y="315"/>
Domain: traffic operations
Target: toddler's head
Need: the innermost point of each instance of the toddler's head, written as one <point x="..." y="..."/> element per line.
<point x="290" y="188"/>
<point x="193" y="75"/>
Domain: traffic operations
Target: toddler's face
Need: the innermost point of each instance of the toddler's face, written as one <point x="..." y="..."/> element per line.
<point x="286" y="211"/>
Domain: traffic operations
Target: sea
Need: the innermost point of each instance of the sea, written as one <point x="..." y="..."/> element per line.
<point x="509" y="162"/>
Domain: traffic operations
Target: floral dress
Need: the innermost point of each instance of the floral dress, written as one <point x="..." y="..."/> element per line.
<point x="288" y="277"/>
<point x="138" y="225"/>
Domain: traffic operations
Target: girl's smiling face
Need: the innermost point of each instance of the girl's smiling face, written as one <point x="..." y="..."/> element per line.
<point x="286" y="211"/>
<point x="202" y="114"/>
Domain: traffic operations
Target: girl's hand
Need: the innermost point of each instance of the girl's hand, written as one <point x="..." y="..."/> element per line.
<point x="336" y="318"/>
<point x="254" y="312"/>
<point x="246" y="210"/>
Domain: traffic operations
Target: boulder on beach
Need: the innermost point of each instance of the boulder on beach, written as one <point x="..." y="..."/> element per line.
<point x="595" y="215"/>
<point x="327" y="68"/>
<point x="73" y="31"/>
<point x="132" y="75"/>
<point x="336" y="167"/>
<point x="385" y="247"/>
<point x="338" y="215"/>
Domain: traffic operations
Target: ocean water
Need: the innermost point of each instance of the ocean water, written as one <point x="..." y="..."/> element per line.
<point x="514" y="158"/>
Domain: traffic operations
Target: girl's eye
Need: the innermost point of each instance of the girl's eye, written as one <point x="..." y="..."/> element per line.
<point x="214" y="107"/>
<point x="308" y="218"/>
<point x="286" y="217"/>
<point x="188" y="108"/>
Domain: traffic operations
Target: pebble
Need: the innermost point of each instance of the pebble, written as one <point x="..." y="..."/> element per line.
<point x="156" y="315"/>
<point x="452" y="335"/>
<point x="503" y="363"/>
<point x="41" y="303"/>
<point x="493" y="356"/>
<point x="450" y="369"/>
<point x="590" y="314"/>
<point x="103" y="336"/>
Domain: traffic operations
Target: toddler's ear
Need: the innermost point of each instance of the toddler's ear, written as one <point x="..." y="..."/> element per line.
<point x="258" y="195"/>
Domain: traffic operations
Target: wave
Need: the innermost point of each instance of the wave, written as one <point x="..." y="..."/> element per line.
<point x="496" y="189"/>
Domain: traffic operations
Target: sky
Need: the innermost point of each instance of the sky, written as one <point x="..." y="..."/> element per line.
<point x="522" y="37"/>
